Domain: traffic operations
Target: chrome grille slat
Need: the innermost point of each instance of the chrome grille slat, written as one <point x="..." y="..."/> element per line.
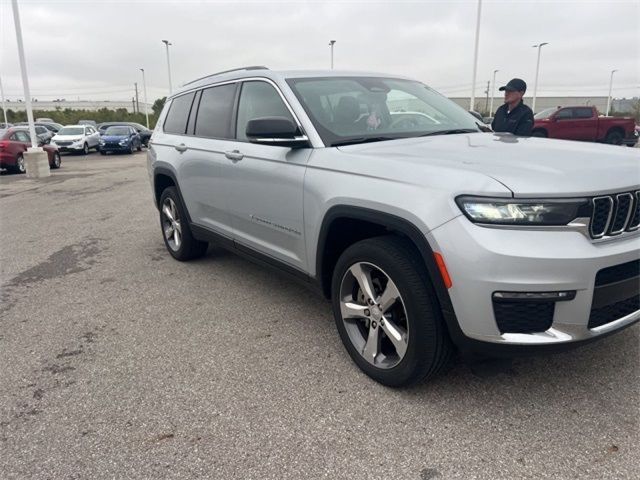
<point x="634" y="218"/>
<point x="623" y="204"/>
<point x="602" y="208"/>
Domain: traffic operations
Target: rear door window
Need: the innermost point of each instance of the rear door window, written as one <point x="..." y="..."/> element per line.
<point x="176" y="121"/>
<point x="564" y="114"/>
<point x="215" y="111"/>
<point x="582" y="113"/>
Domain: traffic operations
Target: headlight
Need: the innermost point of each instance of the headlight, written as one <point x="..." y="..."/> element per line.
<point x="79" y="140"/>
<point x="523" y="212"/>
<point x="101" y="142"/>
<point x="123" y="142"/>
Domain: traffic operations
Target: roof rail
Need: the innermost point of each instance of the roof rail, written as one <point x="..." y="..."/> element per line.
<point x="251" y="67"/>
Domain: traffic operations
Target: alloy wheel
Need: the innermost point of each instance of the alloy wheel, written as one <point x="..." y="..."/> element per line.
<point x="374" y="315"/>
<point x="171" y="224"/>
<point x="20" y="164"/>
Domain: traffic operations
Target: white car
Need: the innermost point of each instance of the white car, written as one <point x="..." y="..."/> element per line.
<point x="77" y="138"/>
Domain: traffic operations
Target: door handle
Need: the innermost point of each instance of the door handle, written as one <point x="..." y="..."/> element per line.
<point x="234" y="156"/>
<point x="181" y="148"/>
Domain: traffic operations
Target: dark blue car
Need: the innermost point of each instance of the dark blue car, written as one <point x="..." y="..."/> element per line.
<point x="120" y="138"/>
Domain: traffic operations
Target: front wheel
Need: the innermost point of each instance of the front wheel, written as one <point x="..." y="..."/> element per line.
<point x="139" y="147"/>
<point x="85" y="149"/>
<point x="175" y="228"/>
<point x="539" y="133"/>
<point x="20" y="166"/>
<point x="386" y="312"/>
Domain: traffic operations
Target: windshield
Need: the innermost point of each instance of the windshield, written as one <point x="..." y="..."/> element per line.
<point x="359" y="109"/>
<point x="71" y="131"/>
<point x="545" y="113"/>
<point x="117" y="131"/>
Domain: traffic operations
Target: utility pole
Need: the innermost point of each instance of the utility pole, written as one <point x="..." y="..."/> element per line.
<point x="610" y="90"/>
<point x="144" y="89"/>
<point x="331" y="44"/>
<point x="167" y="43"/>
<point x="486" y="103"/>
<point x="4" y="107"/>
<point x="493" y="92"/>
<point x="535" y="85"/>
<point x="133" y="102"/>
<point x="135" y="85"/>
<point x="475" y="58"/>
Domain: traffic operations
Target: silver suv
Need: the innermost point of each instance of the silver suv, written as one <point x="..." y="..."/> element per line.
<point x="426" y="232"/>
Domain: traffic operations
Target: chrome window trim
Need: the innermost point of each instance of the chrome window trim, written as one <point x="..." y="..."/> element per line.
<point x="606" y="227"/>
<point x="626" y="220"/>
<point x="241" y="80"/>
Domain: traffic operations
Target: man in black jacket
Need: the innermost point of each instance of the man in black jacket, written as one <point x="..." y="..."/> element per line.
<point x="514" y="116"/>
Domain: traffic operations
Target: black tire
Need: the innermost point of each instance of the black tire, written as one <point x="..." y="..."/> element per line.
<point x="139" y="147"/>
<point x="56" y="161"/>
<point x="85" y="149"/>
<point x="539" y="133"/>
<point x="130" y="151"/>
<point x="429" y="347"/>
<point x="189" y="247"/>
<point x="614" y="137"/>
<point x="103" y="152"/>
<point x="20" y="167"/>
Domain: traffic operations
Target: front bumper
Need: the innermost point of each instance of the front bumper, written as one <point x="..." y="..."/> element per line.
<point x="114" y="147"/>
<point x="482" y="261"/>
<point x="69" y="148"/>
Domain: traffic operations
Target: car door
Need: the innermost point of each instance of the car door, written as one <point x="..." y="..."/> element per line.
<point x="203" y="167"/>
<point x="266" y="182"/>
<point x="563" y="124"/>
<point x="585" y="124"/>
<point x="20" y="141"/>
<point x="93" y="137"/>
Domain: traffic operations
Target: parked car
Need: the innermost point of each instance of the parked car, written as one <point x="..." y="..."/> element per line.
<point x="424" y="238"/>
<point x="77" y="138"/>
<point x="87" y="122"/>
<point x="54" y="127"/>
<point x="14" y="142"/>
<point x="583" y="123"/>
<point x="120" y="138"/>
<point x="144" y="132"/>
<point x="44" y="133"/>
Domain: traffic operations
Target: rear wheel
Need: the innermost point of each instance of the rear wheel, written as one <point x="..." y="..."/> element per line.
<point x="386" y="312"/>
<point x="175" y="228"/>
<point x="20" y="166"/>
<point x="56" y="160"/>
<point x="614" y="137"/>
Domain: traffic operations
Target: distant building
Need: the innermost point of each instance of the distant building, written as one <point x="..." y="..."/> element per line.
<point x="91" y="105"/>
<point x="542" y="103"/>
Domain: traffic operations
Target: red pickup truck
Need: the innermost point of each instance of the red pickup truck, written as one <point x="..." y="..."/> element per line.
<point x="583" y="123"/>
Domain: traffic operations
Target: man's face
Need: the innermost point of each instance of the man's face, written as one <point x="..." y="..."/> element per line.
<point x="512" y="96"/>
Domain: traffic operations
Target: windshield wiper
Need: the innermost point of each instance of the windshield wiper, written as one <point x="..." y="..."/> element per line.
<point x="450" y="132"/>
<point x="352" y="141"/>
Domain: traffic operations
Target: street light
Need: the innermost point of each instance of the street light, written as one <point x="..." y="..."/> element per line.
<point x="167" y="43"/>
<point x="535" y="85"/>
<point x="146" y="104"/>
<point x="610" y="89"/>
<point x="475" y="58"/>
<point x="4" y="107"/>
<point x="36" y="160"/>
<point x="493" y="92"/>
<point x="331" y="44"/>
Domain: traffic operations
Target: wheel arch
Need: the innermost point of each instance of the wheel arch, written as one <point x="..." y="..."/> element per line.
<point x="164" y="177"/>
<point x="380" y="223"/>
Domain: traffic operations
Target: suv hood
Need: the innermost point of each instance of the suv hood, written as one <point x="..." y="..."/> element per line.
<point x="67" y="138"/>
<point x="529" y="167"/>
<point x="113" y="138"/>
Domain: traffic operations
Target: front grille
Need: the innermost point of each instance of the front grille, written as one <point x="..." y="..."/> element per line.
<point x="63" y="144"/>
<point x="614" y="214"/>
<point x="523" y="317"/>
<point x="609" y="313"/>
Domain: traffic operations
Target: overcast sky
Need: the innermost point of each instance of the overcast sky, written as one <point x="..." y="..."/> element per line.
<point x="94" y="49"/>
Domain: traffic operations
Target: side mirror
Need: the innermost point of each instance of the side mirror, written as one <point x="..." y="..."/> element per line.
<point x="278" y="131"/>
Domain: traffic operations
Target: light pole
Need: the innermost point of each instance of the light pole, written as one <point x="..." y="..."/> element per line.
<point x="331" y="44"/>
<point x="4" y="107"/>
<point x="167" y="43"/>
<point x="475" y="58"/>
<point x="535" y="85"/>
<point x="144" y="90"/>
<point x="610" y="89"/>
<point x="36" y="160"/>
<point x="493" y="92"/>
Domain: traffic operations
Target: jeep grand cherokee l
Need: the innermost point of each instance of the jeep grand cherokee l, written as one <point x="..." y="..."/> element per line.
<point x="426" y="235"/>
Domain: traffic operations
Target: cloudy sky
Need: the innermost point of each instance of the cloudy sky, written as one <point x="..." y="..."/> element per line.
<point x="94" y="49"/>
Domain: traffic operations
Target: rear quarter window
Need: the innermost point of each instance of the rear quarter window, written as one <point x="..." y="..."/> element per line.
<point x="176" y="121"/>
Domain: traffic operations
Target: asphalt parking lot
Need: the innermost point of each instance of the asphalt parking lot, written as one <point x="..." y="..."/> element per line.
<point x="119" y="362"/>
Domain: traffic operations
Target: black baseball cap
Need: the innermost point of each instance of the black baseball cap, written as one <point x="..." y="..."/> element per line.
<point x="515" y="85"/>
